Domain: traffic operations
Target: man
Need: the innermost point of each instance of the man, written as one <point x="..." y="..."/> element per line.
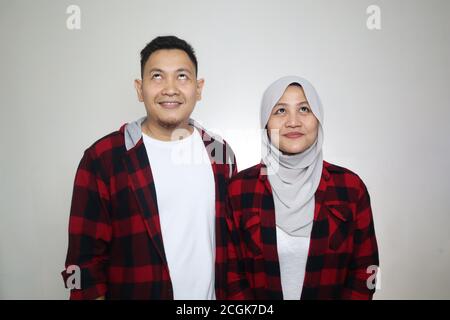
<point x="147" y="215"/>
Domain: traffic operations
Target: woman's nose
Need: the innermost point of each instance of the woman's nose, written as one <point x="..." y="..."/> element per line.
<point x="293" y="121"/>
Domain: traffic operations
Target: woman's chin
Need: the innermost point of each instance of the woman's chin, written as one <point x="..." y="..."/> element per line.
<point x="292" y="149"/>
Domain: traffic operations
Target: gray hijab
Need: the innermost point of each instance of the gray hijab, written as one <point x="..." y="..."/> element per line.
<point x="294" y="178"/>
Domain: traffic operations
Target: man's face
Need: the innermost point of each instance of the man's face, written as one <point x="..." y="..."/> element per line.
<point x="295" y="126"/>
<point x="169" y="88"/>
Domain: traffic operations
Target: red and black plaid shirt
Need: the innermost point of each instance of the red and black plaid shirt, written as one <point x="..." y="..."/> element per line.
<point x="114" y="228"/>
<point x="342" y="246"/>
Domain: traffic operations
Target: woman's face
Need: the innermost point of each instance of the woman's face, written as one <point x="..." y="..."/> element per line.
<point x="292" y="127"/>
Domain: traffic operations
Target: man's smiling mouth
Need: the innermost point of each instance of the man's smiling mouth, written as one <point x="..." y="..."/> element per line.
<point x="169" y="104"/>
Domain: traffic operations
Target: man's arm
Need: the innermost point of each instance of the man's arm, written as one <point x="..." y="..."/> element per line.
<point x="89" y="230"/>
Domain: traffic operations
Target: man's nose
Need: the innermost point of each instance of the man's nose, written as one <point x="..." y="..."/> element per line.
<point x="170" y="88"/>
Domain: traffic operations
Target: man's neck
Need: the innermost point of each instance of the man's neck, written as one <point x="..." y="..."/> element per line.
<point x="166" y="134"/>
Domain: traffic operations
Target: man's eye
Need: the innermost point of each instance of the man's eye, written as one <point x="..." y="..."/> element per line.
<point x="182" y="76"/>
<point x="156" y="76"/>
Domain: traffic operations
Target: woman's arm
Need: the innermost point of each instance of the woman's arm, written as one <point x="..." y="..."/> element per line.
<point x="238" y="287"/>
<point x="364" y="261"/>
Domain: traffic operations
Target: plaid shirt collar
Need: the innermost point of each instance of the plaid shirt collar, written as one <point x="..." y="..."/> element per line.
<point x="133" y="133"/>
<point x="133" y="138"/>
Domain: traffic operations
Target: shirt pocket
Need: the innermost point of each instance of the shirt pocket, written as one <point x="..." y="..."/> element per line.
<point x="341" y="226"/>
<point x="250" y="226"/>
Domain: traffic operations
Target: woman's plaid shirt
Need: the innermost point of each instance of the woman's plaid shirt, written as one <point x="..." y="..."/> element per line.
<point x="343" y="250"/>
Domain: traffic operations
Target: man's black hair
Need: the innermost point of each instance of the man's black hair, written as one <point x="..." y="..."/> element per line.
<point x="167" y="42"/>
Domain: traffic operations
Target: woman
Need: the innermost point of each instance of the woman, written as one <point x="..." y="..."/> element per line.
<point x="302" y="227"/>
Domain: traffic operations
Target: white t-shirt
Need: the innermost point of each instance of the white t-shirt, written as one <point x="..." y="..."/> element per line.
<point x="185" y="191"/>
<point x="292" y="255"/>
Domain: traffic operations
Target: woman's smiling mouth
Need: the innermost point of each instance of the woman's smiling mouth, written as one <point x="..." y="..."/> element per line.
<point x="293" y="135"/>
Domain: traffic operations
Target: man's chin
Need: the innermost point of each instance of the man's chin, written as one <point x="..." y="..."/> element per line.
<point x="169" y="123"/>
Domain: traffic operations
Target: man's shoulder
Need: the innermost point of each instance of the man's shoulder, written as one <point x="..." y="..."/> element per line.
<point x="112" y="143"/>
<point x="208" y="135"/>
<point x="219" y="149"/>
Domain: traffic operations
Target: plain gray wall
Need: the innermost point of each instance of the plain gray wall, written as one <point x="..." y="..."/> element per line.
<point x="385" y="94"/>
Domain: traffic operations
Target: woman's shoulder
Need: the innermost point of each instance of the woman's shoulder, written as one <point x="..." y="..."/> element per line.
<point x="334" y="168"/>
<point x="342" y="176"/>
<point x="250" y="173"/>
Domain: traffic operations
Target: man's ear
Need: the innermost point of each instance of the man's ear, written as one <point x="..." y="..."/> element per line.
<point x="200" y="84"/>
<point x="138" y="86"/>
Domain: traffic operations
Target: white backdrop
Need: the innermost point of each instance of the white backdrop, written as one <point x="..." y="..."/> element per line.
<point x="385" y="94"/>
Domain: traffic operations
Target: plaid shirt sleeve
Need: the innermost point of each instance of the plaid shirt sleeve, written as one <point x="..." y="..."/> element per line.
<point x="89" y="230"/>
<point x="365" y="253"/>
<point x="238" y="287"/>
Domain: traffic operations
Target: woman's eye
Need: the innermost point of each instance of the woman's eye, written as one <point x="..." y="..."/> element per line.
<point x="280" y="111"/>
<point x="304" y="109"/>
